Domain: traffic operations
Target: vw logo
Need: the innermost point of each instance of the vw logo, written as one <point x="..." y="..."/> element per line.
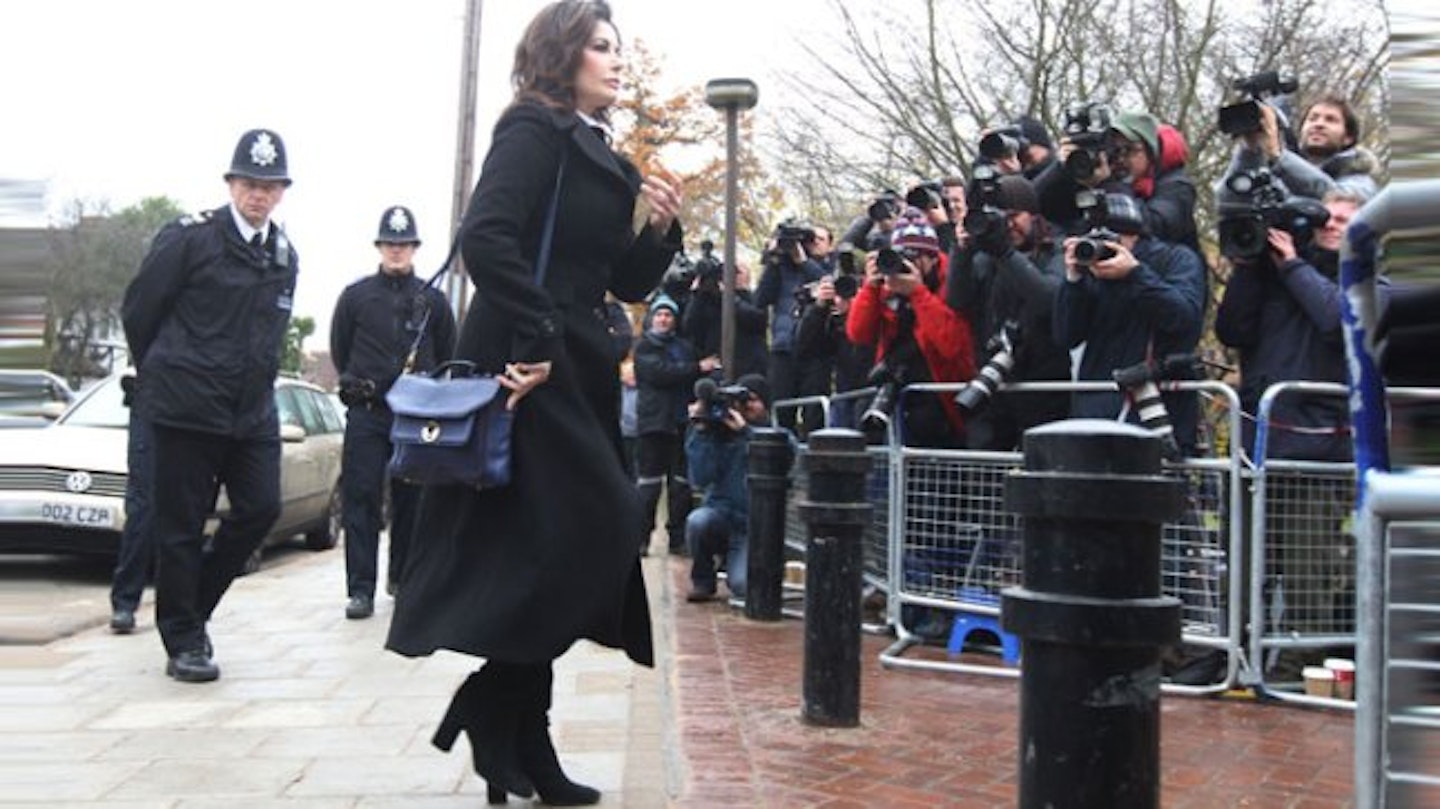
<point x="78" y="482"/>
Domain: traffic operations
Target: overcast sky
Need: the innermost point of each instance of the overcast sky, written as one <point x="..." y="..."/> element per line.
<point x="117" y="100"/>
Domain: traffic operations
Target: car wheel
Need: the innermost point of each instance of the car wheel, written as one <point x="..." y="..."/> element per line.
<point x="324" y="537"/>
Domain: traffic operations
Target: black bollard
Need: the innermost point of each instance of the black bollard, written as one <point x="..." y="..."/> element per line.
<point x="769" y="480"/>
<point x="1089" y="613"/>
<point x="836" y="513"/>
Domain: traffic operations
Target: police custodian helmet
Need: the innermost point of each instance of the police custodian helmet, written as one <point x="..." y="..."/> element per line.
<point x="397" y="226"/>
<point x="260" y="155"/>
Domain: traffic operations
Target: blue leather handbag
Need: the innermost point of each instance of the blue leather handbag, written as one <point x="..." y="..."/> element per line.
<point x="450" y="429"/>
<point x="453" y="428"/>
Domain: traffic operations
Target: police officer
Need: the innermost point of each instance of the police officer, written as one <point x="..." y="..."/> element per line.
<point x="377" y="321"/>
<point x="205" y="318"/>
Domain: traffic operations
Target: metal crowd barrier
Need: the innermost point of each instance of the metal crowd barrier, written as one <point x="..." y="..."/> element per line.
<point x="1397" y="528"/>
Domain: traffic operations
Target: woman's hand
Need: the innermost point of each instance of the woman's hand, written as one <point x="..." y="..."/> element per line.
<point x="521" y="378"/>
<point x="662" y="191"/>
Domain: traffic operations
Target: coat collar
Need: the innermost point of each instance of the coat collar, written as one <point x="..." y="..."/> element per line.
<point x="593" y="148"/>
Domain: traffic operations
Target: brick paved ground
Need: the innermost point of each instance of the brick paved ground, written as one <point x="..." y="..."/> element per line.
<point x="937" y="739"/>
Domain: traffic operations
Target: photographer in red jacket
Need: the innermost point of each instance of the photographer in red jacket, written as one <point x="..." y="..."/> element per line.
<point x="901" y="312"/>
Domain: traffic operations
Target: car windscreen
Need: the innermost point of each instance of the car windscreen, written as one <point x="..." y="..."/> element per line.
<point x="23" y="393"/>
<point x="102" y="406"/>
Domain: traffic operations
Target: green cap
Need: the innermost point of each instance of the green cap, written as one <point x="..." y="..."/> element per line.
<point x="1140" y="127"/>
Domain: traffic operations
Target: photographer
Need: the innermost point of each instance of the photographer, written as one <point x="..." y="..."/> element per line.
<point x="700" y="324"/>
<point x="1281" y="311"/>
<point x="821" y="342"/>
<point x="900" y="315"/>
<point x="1130" y="153"/>
<point x="1139" y="299"/>
<point x="1321" y="157"/>
<point x="665" y="371"/>
<point x="788" y="267"/>
<point x="717" y="444"/>
<point x="1004" y="284"/>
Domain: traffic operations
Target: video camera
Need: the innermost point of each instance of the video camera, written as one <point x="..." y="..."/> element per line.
<point x="716" y="401"/>
<point x="1138" y="382"/>
<point x="1244" y="226"/>
<point x="1002" y="347"/>
<point x="998" y="144"/>
<point x="985" y="220"/>
<point x="1087" y="126"/>
<point x="1243" y="117"/>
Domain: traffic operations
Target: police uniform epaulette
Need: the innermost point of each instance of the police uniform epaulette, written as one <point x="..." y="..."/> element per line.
<point x="195" y="218"/>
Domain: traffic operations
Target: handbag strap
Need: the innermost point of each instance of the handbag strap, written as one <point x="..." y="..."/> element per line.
<point x="542" y="261"/>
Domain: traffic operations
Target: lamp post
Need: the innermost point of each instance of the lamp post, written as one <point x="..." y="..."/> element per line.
<point x="730" y="95"/>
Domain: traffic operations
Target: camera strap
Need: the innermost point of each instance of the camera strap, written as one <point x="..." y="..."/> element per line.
<point x="542" y="260"/>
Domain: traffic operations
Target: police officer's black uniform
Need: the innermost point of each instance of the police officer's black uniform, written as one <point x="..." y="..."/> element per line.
<point x="375" y="324"/>
<point x="205" y="318"/>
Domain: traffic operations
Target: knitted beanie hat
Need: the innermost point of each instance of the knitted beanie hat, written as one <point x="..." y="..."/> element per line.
<point x="914" y="232"/>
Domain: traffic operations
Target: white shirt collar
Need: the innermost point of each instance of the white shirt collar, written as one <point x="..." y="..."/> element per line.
<point x="246" y="229"/>
<point x="597" y="124"/>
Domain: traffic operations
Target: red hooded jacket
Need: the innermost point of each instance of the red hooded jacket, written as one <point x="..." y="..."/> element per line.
<point x="942" y="334"/>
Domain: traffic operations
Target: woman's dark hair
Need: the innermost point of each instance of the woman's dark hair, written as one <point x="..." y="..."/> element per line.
<point x="550" y="53"/>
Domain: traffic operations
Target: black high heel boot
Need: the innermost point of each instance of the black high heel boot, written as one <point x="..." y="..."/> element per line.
<point x="486" y="709"/>
<point x="495" y="796"/>
<point x="537" y="751"/>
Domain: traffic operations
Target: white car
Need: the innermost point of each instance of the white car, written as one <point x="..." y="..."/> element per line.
<point x="62" y="487"/>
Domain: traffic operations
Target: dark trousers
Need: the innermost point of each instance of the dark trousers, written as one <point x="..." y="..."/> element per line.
<point x="660" y="458"/>
<point x="711" y="535"/>
<point x="137" y="548"/>
<point x="783" y="374"/>
<point x="364" y="478"/>
<point x="190" y="577"/>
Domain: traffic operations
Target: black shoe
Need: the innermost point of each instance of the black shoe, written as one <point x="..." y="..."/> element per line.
<point x="193" y="666"/>
<point x="359" y="607"/>
<point x="122" y="622"/>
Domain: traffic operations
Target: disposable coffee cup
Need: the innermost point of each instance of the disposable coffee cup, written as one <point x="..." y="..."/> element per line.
<point x="795" y="573"/>
<point x="1344" y="671"/>
<point x="1319" y="681"/>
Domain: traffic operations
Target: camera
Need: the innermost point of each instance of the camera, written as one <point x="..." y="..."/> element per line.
<point x="716" y="401"/>
<point x="1087" y="126"/>
<point x="889" y="261"/>
<point x="885" y="206"/>
<point x="985" y="221"/>
<point x="1243" y="117"/>
<point x="998" y="144"/>
<point x="927" y="195"/>
<point x="792" y="232"/>
<point x="1002" y="346"/>
<point x="1244" y="226"/>
<point x="887" y="380"/>
<point x="677" y="280"/>
<point x="1138" y="382"/>
<point x="1092" y="247"/>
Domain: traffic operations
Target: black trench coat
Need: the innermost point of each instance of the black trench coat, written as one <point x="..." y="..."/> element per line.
<point x="520" y="573"/>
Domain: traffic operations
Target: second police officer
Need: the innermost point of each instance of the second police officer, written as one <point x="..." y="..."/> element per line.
<point x="377" y="321"/>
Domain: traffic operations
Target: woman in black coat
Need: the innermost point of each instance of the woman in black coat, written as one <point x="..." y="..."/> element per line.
<point x="517" y="575"/>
